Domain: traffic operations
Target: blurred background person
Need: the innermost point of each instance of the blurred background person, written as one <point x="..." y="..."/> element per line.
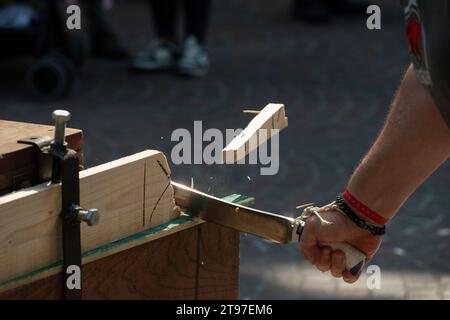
<point x="104" y="43"/>
<point x="321" y="11"/>
<point x="166" y="52"/>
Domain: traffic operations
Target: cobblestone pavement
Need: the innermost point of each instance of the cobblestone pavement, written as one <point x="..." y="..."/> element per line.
<point x="337" y="82"/>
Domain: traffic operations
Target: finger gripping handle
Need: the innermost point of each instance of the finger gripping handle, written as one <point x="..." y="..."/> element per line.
<point x="354" y="259"/>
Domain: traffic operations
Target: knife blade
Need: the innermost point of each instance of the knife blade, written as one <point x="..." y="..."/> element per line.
<point x="267" y="225"/>
<point x="270" y="226"/>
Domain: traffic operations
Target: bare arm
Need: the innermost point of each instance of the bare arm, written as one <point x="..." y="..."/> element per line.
<point x="413" y="143"/>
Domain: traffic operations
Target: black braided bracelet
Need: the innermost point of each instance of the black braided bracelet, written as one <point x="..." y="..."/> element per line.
<point x="345" y="208"/>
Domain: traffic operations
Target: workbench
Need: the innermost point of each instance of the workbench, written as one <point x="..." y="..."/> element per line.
<point x="183" y="258"/>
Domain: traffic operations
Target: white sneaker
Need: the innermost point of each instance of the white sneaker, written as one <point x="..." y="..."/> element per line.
<point x="156" y="56"/>
<point x="194" y="60"/>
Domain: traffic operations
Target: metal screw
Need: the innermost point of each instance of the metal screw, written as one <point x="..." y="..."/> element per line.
<point x="90" y="216"/>
<point x="61" y="117"/>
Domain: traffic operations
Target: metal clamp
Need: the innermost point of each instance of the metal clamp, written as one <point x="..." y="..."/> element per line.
<point x="43" y="159"/>
<point x="64" y="169"/>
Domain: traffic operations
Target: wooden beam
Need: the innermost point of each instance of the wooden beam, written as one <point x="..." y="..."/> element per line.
<point x="152" y="234"/>
<point x="200" y="262"/>
<point x="18" y="161"/>
<point x="132" y="194"/>
<point x="203" y="266"/>
<point x="273" y="116"/>
<point x="10" y="131"/>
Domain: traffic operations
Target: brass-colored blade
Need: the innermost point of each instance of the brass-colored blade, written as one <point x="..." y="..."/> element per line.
<point x="270" y="226"/>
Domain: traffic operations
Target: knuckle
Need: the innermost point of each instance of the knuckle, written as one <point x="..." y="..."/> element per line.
<point x="326" y="251"/>
<point x="338" y="258"/>
<point x="336" y="273"/>
<point x="323" y="267"/>
<point x="311" y="221"/>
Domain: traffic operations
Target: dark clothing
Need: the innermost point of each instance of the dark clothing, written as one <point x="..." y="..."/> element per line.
<point x="428" y="34"/>
<point x="104" y="42"/>
<point x="196" y="15"/>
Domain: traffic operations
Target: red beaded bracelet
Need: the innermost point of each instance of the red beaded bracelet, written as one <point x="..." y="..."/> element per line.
<point x="363" y="209"/>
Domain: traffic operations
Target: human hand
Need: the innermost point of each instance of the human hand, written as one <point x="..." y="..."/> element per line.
<point x="340" y="230"/>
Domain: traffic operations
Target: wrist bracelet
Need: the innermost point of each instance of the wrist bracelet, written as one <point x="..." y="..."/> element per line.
<point x="363" y="209"/>
<point x="363" y="224"/>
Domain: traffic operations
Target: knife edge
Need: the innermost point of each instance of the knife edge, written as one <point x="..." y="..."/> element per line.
<point x="273" y="227"/>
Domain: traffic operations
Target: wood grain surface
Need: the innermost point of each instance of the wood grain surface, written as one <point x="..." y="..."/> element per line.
<point x="18" y="162"/>
<point x="132" y="194"/>
<point x="201" y="262"/>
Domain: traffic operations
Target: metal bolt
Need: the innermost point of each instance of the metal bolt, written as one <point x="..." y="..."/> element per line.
<point x="61" y="117"/>
<point x="90" y="216"/>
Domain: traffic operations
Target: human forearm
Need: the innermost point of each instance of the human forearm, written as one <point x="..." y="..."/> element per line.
<point x="414" y="142"/>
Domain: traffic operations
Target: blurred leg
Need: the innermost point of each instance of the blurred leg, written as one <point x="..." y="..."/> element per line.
<point x="96" y="19"/>
<point x="104" y="41"/>
<point x="160" y="53"/>
<point x="197" y="18"/>
<point x="164" y="18"/>
<point x="194" y="60"/>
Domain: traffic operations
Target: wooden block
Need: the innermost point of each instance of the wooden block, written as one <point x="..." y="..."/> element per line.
<point x="201" y="262"/>
<point x="219" y="262"/>
<point x="18" y="162"/>
<point x="184" y="258"/>
<point x="161" y="269"/>
<point x="273" y="116"/>
<point x="132" y="194"/>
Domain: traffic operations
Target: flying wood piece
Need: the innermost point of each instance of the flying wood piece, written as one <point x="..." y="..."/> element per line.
<point x="251" y="111"/>
<point x="132" y="194"/>
<point x="273" y="116"/>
